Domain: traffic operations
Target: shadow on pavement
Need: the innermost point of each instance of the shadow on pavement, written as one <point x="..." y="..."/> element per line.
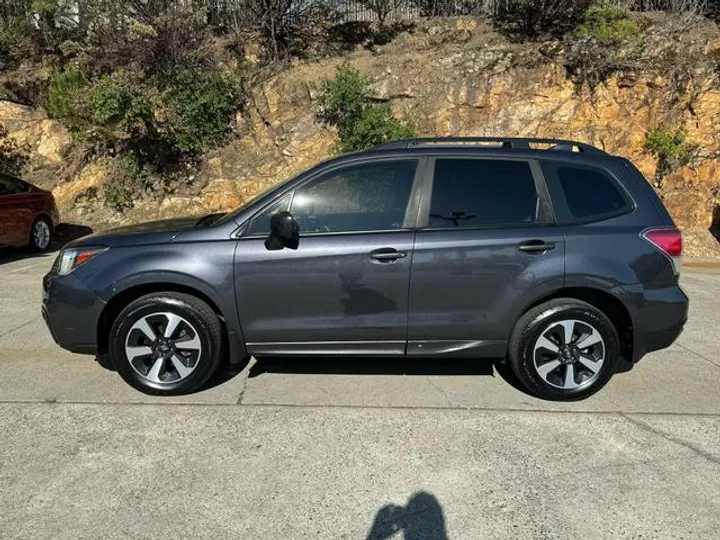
<point x="394" y="366"/>
<point x="64" y="233"/>
<point x="339" y="365"/>
<point x="420" y="519"/>
<point x="385" y="366"/>
<point x="221" y="376"/>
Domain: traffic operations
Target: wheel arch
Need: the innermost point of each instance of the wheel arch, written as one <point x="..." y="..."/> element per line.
<point x="46" y="217"/>
<point x="233" y="341"/>
<point x="606" y="302"/>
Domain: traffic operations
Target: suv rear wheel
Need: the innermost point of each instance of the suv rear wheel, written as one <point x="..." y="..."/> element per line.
<point x="166" y="343"/>
<point x="564" y="349"/>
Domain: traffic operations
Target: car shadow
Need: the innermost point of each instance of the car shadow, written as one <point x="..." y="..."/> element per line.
<point x="385" y="366"/>
<point x="354" y="366"/>
<point x="364" y="366"/>
<point x="226" y="372"/>
<point x="395" y="366"/>
<point x="64" y="233"/>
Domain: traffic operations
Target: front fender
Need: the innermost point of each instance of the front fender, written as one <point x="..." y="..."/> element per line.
<point x="203" y="267"/>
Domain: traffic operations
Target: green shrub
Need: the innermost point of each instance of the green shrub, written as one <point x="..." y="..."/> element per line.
<point x="156" y="126"/>
<point x="532" y="19"/>
<point x="44" y="7"/>
<point x="345" y="103"/>
<point x="67" y="96"/>
<point x="127" y="181"/>
<point x="670" y="146"/>
<point x="201" y="105"/>
<point x="671" y="149"/>
<point x="606" y="42"/>
<point x="116" y="196"/>
<point x="16" y="41"/>
<point x="343" y="98"/>
<point x="112" y="111"/>
<point x="122" y="108"/>
<point x="608" y="26"/>
<point x="375" y="126"/>
<point x="191" y="112"/>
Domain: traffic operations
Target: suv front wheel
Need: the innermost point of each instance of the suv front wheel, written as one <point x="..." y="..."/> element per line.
<point x="166" y="343"/>
<point x="564" y="349"/>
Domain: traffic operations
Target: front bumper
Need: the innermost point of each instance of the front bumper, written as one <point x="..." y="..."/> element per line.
<point x="71" y="312"/>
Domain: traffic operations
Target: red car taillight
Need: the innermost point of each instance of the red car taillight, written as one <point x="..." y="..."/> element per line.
<point x="669" y="241"/>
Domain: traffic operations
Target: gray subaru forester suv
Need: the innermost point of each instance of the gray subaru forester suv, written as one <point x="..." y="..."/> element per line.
<point x="551" y="255"/>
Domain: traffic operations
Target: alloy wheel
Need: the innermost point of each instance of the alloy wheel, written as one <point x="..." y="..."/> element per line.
<point x="569" y="354"/>
<point x="41" y="234"/>
<point x="163" y="348"/>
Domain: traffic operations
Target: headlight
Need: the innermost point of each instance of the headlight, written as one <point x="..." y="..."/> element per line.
<point x="70" y="259"/>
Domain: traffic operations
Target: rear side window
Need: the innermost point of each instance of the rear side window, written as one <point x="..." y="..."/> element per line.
<point x="12" y="186"/>
<point x="582" y="193"/>
<point x="482" y="192"/>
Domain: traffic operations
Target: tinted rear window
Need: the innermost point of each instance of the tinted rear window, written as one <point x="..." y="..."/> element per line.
<point x="12" y="186"/>
<point x="477" y="192"/>
<point x="590" y="193"/>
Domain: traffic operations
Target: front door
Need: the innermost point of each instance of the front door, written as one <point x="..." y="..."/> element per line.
<point x="344" y="290"/>
<point x="487" y="246"/>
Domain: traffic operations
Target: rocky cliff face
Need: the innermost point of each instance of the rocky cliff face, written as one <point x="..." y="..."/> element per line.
<point x="455" y="78"/>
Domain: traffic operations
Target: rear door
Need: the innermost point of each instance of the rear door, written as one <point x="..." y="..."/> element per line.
<point x="344" y="290"/>
<point x="16" y="210"/>
<point x="486" y="246"/>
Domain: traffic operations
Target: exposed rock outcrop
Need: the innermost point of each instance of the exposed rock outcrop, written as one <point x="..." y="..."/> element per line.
<point x="459" y="78"/>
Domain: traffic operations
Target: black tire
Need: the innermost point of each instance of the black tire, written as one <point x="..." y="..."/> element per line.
<point x="205" y="325"/>
<point x="43" y="245"/>
<point x="535" y="321"/>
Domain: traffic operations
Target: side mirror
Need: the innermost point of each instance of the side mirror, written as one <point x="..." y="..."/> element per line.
<point x="284" y="232"/>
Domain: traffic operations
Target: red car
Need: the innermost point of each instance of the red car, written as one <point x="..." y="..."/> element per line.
<point x="28" y="214"/>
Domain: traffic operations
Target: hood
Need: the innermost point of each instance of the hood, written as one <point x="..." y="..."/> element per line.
<point x="153" y="232"/>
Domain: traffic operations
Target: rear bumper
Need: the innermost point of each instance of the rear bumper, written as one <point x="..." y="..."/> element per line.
<point x="659" y="315"/>
<point x="661" y="340"/>
<point x="71" y="313"/>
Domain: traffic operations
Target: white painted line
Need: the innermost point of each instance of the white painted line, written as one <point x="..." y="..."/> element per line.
<point x="26" y="267"/>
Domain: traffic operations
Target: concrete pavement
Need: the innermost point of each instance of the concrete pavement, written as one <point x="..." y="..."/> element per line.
<point x="362" y="449"/>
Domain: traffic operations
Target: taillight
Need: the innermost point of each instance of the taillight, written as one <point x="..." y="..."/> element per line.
<point x="669" y="241"/>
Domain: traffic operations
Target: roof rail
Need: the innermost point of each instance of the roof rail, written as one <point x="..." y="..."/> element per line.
<point x="503" y="142"/>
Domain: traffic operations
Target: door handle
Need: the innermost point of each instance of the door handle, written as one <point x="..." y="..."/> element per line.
<point x="536" y="246"/>
<point x="387" y="255"/>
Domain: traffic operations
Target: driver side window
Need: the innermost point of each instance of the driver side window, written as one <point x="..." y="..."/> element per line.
<point x="260" y="225"/>
<point x="368" y="197"/>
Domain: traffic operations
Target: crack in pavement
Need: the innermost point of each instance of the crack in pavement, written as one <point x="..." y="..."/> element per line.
<point x="23" y="325"/>
<point x="442" y="392"/>
<point x="245" y="374"/>
<point x="639" y="463"/>
<point x="688" y="349"/>
<point x="242" y="390"/>
<point x="458" y="409"/>
<point x="699" y="451"/>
